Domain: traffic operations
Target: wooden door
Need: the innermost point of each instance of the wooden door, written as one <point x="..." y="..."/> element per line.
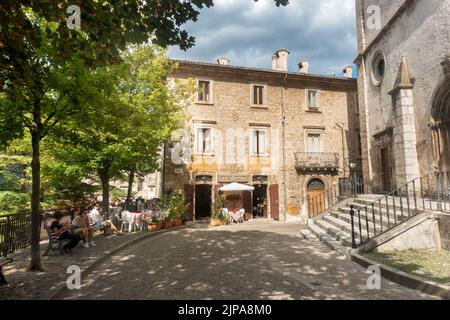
<point x="316" y="202"/>
<point x="316" y="197"/>
<point x="274" y="203"/>
<point x="386" y="176"/>
<point x="247" y="201"/>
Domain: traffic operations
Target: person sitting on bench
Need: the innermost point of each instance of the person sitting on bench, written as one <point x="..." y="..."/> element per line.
<point x="80" y="226"/>
<point x="99" y="223"/>
<point x="63" y="231"/>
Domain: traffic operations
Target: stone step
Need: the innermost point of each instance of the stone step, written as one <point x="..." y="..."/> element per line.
<point x="323" y="236"/>
<point x="343" y="237"/>
<point x="399" y="203"/>
<point x="345" y="211"/>
<point x="306" y="234"/>
<point x="346" y="218"/>
<point x="384" y="213"/>
<point x="347" y="227"/>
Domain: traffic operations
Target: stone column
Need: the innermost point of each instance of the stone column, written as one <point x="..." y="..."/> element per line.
<point x="404" y="135"/>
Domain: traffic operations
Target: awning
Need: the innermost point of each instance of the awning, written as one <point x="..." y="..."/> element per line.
<point x="236" y="187"/>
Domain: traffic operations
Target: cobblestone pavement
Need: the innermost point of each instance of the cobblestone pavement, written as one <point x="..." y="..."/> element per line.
<point x="26" y="285"/>
<point x="254" y="260"/>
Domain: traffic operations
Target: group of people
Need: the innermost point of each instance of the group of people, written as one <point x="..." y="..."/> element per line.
<point x="85" y="222"/>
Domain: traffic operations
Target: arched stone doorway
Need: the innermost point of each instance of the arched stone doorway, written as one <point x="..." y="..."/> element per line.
<point x="440" y="128"/>
<point x="315" y="190"/>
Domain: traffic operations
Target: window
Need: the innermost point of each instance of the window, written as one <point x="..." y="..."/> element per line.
<point x="378" y="68"/>
<point x="260" y="142"/>
<point x="204" y="90"/>
<point x="258" y="95"/>
<point x="313" y="99"/>
<point x="204" y="140"/>
<point x="314" y="143"/>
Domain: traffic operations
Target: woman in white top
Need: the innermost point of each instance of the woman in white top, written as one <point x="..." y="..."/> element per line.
<point x="99" y="223"/>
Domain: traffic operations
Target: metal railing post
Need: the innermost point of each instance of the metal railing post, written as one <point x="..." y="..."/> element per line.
<point x="352" y="215"/>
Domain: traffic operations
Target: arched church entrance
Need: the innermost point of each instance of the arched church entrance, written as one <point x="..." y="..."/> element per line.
<point x="440" y="128"/>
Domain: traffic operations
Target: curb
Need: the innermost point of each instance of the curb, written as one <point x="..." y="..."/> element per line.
<point x="403" y="278"/>
<point x="58" y="289"/>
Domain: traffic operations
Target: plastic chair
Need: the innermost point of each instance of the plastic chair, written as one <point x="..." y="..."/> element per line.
<point x="127" y="221"/>
<point x="241" y="215"/>
<point x="234" y="216"/>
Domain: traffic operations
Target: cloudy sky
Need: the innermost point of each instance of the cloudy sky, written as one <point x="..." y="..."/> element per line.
<point x="248" y="33"/>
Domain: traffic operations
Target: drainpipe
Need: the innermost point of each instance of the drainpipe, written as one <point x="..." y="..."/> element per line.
<point x="283" y="126"/>
<point x="343" y="147"/>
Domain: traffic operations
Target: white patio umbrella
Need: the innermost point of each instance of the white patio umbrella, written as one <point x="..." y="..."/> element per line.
<point x="236" y="187"/>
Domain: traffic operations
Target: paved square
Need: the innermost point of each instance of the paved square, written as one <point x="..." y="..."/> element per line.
<point x="254" y="260"/>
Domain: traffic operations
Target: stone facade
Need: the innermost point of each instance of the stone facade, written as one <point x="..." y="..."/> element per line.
<point x="279" y="174"/>
<point x="403" y="90"/>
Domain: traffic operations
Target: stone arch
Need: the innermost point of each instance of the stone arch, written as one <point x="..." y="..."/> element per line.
<point x="315" y="183"/>
<point x="440" y="126"/>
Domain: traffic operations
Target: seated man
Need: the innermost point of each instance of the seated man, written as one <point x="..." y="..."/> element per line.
<point x="80" y="226"/>
<point x="99" y="223"/>
<point x="62" y="231"/>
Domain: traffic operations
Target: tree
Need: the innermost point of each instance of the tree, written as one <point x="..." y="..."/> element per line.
<point x="135" y="114"/>
<point x="43" y="63"/>
<point x="160" y="108"/>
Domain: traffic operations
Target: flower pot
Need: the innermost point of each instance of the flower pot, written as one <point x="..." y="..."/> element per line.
<point x="168" y="224"/>
<point x="247" y="216"/>
<point x="218" y="222"/>
<point x="177" y="222"/>
<point x="154" y="227"/>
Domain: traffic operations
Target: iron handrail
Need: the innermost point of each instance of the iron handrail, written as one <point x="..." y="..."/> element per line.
<point x="379" y="202"/>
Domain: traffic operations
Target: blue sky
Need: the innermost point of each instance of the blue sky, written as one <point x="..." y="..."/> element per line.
<point x="248" y="33"/>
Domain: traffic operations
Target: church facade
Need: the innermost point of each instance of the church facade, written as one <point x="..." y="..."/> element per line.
<point x="403" y="91"/>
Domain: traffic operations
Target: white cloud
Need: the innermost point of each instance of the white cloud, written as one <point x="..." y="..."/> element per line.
<point x="248" y="32"/>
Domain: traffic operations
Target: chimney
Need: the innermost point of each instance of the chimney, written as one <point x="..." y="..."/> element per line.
<point x="274" y="62"/>
<point x="223" y="61"/>
<point x="348" y="72"/>
<point x="279" y="60"/>
<point x="303" y="66"/>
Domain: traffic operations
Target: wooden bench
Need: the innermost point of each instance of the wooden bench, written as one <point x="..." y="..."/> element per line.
<point x="54" y="243"/>
<point x="4" y="262"/>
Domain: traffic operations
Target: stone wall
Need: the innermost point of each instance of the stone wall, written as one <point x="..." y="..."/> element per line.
<point x="444" y="230"/>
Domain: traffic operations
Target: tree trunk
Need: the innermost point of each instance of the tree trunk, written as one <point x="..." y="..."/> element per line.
<point x="35" y="264"/>
<point x="104" y="177"/>
<point x="130" y="186"/>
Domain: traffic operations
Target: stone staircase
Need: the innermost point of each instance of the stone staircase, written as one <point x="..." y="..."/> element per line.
<point x="372" y="218"/>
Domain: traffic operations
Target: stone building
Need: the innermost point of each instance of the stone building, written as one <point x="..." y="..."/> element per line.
<point x="403" y="90"/>
<point x="288" y="134"/>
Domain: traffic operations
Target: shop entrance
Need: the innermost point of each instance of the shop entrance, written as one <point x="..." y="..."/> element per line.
<point x="203" y="197"/>
<point x="260" y="201"/>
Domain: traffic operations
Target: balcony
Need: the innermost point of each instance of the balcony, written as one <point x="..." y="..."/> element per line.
<point x="323" y="162"/>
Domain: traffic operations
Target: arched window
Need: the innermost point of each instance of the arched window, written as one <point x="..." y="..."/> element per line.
<point x="316" y="184"/>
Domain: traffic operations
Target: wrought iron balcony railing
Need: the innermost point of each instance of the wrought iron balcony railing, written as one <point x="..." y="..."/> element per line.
<point x="317" y="161"/>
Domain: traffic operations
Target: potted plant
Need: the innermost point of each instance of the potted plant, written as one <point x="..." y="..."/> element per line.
<point x="154" y="225"/>
<point x="218" y="218"/>
<point x="177" y="209"/>
<point x="163" y="205"/>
